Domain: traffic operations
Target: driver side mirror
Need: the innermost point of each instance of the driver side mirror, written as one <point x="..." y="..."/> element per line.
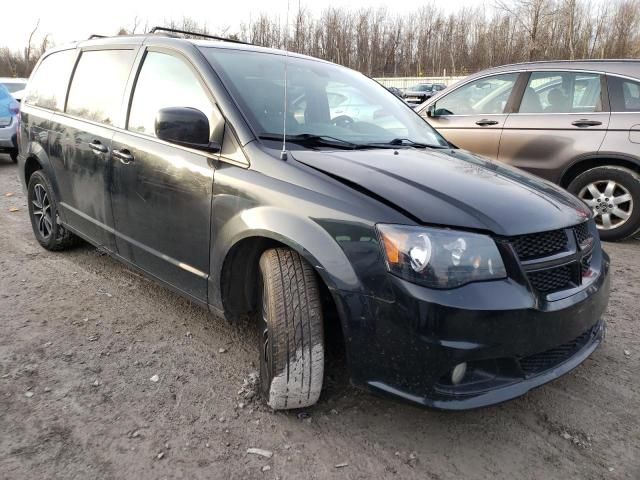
<point x="184" y="126"/>
<point x="431" y="111"/>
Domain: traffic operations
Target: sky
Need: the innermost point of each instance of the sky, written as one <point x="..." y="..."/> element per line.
<point x="69" y="20"/>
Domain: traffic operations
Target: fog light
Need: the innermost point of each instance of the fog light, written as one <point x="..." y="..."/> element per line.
<point x="458" y="373"/>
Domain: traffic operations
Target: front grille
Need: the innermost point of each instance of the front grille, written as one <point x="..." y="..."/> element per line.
<point x="540" y="244"/>
<point x="552" y="279"/>
<point x="552" y="248"/>
<point x="540" y="362"/>
<point x="582" y="233"/>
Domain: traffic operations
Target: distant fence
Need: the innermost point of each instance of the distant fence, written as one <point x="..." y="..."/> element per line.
<point x="404" y="82"/>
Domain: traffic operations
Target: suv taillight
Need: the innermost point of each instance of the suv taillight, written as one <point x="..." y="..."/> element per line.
<point x="14" y="108"/>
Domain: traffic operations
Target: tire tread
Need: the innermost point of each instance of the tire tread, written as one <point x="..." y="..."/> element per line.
<point x="295" y="325"/>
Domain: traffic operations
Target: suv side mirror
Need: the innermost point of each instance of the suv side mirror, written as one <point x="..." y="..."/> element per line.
<point x="184" y="126"/>
<point x="431" y="110"/>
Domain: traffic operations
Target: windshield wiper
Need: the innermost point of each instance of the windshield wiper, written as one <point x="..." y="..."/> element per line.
<point x="406" y="142"/>
<point x="311" y="139"/>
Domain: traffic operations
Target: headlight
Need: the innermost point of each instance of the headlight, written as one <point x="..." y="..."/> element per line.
<point x="440" y="258"/>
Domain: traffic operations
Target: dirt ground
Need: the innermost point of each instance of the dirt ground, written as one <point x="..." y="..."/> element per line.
<point x="81" y="338"/>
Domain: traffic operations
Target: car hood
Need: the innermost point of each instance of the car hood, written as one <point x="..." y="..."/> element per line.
<point x="452" y="188"/>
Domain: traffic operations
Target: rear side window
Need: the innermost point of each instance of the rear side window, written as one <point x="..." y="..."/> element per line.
<point x="562" y="92"/>
<point x="47" y="87"/>
<point x="98" y="84"/>
<point x="624" y="95"/>
<point x="165" y="81"/>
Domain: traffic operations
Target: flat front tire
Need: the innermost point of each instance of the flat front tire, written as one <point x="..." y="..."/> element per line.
<point x="613" y="194"/>
<point x="290" y="331"/>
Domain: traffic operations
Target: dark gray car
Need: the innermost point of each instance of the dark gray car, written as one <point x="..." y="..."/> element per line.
<point x="575" y="123"/>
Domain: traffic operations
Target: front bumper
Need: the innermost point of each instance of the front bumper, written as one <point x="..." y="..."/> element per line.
<point x="511" y="340"/>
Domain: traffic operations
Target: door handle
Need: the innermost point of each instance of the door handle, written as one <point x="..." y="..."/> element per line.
<point x="98" y="147"/>
<point x="486" y="122"/>
<point x="123" y="155"/>
<point x="583" y="122"/>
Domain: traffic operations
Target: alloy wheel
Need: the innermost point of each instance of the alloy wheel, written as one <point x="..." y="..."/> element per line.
<point x="42" y="211"/>
<point x="611" y="202"/>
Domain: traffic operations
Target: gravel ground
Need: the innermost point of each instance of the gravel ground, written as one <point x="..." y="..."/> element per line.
<point x="83" y="338"/>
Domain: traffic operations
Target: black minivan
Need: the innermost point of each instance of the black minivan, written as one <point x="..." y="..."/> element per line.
<point x="229" y="173"/>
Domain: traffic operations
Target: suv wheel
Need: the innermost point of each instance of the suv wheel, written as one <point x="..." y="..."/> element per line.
<point x="43" y="211"/>
<point x="613" y="193"/>
<point x="14" y="156"/>
<point x="290" y="331"/>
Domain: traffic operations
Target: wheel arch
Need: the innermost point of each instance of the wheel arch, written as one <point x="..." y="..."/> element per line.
<point x="240" y="243"/>
<point x="36" y="158"/>
<point x="586" y="162"/>
<point x="239" y="273"/>
<point x="31" y="165"/>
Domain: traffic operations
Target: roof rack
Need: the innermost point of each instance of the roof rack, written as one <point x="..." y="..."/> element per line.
<point x="196" y="34"/>
<point x="96" y="36"/>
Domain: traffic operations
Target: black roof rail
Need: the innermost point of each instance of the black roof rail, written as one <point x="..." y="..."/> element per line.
<point x="196" y="34"/>
<point x="96" y="36"/>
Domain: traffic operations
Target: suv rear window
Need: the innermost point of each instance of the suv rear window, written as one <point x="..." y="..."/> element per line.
<point x="47" y="87"/>
<point x="98" y="84"/>
<point x="624" y="94"/>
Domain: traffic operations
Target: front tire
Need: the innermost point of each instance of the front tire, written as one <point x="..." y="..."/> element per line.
<point x="291" y="331"/>
<point x="613" y="193"/>
<point x="43" y="212"/>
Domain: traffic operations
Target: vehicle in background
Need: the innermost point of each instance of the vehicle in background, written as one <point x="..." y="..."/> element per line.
<point x="575" y="123"/>
<point x="422" y="92"/>
<point x="456" y="283"/>
<point x="396" y="91"/>
<point x="15" y="86"/>
<point x="9" y="111"/>
<point x="345" y="104"/>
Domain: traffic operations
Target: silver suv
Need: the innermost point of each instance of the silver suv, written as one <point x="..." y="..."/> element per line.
<point x="575" y="123"/>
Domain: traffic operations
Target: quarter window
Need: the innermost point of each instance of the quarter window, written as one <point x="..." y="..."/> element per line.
<point x="47" y="87"/>
<point x="562" y="92"/>
<point x="98" y="85"/>
<point x="165" y="81"/>
<point x="485" y="96"/>
<point x="624" y="94"/>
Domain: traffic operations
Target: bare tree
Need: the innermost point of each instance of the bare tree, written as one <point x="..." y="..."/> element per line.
<point x="427" y="42"/>
<point x="27" y="53"/>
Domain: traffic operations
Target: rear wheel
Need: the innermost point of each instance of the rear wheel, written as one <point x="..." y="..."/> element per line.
<point x="14" y="155"/>
<point x="613" y="193"/>
<point x="290" y="331"/>
<point x="43" y="211"/>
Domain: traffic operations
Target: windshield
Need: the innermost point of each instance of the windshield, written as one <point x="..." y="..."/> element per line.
<point x="323" y="100"/>
<point x="14" y="87"/>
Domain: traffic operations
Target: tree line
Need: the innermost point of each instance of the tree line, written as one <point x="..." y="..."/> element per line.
<point x="429" y="41"/>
